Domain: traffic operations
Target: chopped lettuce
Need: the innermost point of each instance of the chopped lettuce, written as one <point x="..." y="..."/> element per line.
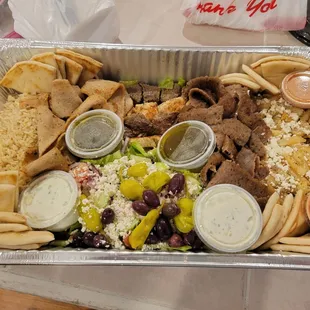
<point x="139" y="159"/>
<point x="161" y="166"/>
<point x="136" y="149"/>
<point x="129" y="83"/>
<point x="74" y="227"/>
<point x="166" y="83"/>
<point x="60" y="243"/>
<point x="184" y="248"/>
<point x="102" y="201"/>
<point x="104" y="160"/>
<point x="181" y="82"/>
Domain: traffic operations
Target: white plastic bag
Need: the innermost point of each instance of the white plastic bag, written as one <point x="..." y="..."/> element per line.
<point x="257" y="15"/>
<point x="71" y="20"/>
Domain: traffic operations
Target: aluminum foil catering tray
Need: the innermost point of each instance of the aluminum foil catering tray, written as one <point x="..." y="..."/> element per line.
<point x="150" y="64"/>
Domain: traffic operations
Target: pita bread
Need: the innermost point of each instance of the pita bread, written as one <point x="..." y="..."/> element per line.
<point x="30" y="77"/>
<point x="287" y="206"/>
<point x="237" y="75"/>
<point x="244" y="82"/>
<point x="92" y="102"/>
<point x="77" y="90"/>
<point x="48" y="59"/>
<point x="291" y="248"/>
<point x="34" y="246"/>
<point x="61" y="63"/>
<point x="272" y="227"/>
<point x="146" y="142"/>
<point x="9" y="177"/>
<point x="49" y="128"/>
<point x="104" y="88"/>
<point x="52" y="160"/>
<point x="303" y="240"/>
<point x="12" y="217"/>
<point x="33" y="101"/>
<point x="261" y="81"/>
<point x="24" y="238"/>
<point x="91" y="66"/>
<point x="275" y="71"/>
<point x="7" y="197"/>
<point x="73" y="69"/>
<point x="279" y="58"/>
<point x="13" y="227"/>
<point x="273" y="200"/>
<point x="64" y="99"/>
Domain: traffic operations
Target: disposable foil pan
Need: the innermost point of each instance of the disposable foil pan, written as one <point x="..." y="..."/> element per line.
<point x="150" y="64"/>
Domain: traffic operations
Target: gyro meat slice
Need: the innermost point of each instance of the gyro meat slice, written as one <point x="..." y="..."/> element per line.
<point x="209" y="170"/>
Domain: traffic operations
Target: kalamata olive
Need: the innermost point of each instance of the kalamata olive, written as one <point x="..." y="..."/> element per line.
<point x="175" y="241"/>
<point x="107" y="216"/>
<point x="151" y="198"/>
<point x="100" y="241"/>
<point x="77" y="240"/>
<point x="163" y="229"/>
<point x="141" y="207"/>
<point x="190" y="238"/>
<point x="170" y="210"/>
<point x="176" y="184"/>
<point x="152" y="238"/>
<point x="198" y="245"/>
<point x="88" y="238"/>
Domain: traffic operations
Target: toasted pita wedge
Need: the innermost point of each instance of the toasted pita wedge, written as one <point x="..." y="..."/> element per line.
<point x="48" y="59"/>
<point x="25" y="238"/>
<point x="287" y="206"/>
<point x="279" y="58"/>
<point x="61" y="63"/>
<point x="62" y="146"/>
<point x="73" y="69"/>
<point x="33" y="101"/>
<point x="104" y="88"/>
<point x="146" y="142"/>
<point x="275" y="71"/>
<point x="92" y="102"/>
<point x="250" y="84"/>
<point x="291" y="248"/>
<point x="30" y="77"/>
<point x="13" y="227"/>
<point x="302" y="240"/>
<point x="261" y="81"/>
<point x="91" y="66"/>
<point x="12" y="217"/>
<point x="64" y="99"/>
<point x="7" y="197"/>
<point x="49" y="128"/>
<point x="34" y="246"/>
<point x="272" y="227"/>
<point x="273" y="200"/>
<point x="52" y="160"/>
<point x="172" y="106"/>
<point x="9" y="177"/>
<point x="236" y="75"/>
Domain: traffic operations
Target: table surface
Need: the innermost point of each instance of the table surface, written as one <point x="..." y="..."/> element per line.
<point x="148" y="288"/>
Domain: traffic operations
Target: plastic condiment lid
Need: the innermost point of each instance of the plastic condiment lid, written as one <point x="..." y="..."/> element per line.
<point x="48" y="199"/>
<point x="296" y="89"/>
<point x="186" y="145"/>
<point x="227" y="218"/>
<point x="94" y="134"/>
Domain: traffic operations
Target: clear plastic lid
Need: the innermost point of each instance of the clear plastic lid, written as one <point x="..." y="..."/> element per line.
<point x="227" y="218"/>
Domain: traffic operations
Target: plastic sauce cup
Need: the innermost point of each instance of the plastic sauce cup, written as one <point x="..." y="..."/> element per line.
<point x="187" y="145"/>
<point x="94" y="134"/>
<point x="227" y="218"/>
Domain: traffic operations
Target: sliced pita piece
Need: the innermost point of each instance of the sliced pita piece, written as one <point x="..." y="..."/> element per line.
<point x="30" y="77"/>
<point x="33" y="101"/>
<point x="291" y="248"/>
<point x="24" y="238"/>
<point x="104" y="88"/>
<point x="9" y="177"/>
<point x="64" y="99"/>
<point x="61" y="63"/>
<point x="244" y="82"/>
<point x="49" y="128"/>
<point x="272" y="227"/>
<point x="261" y="81"/>
<point x="273" y="200"/>
<point x="279" y="58"/>
<point x="13" y="227"/>
<point x="302" y="240"/>
<point x="146" y="142"/>
<point x="275" y="71"/>
<point x="92" y="102"/>
<point x="12" y="217"/>
<point x="73" y="69"/>
<point x="91" y="66"/>
<point x="237" y="75"/>
<point x="7" y="197"/>
<point x="52" y="160"/>
<point x="78" y="91"/>
<point x="48" y="59"/>
<point x="34" y="246"/>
